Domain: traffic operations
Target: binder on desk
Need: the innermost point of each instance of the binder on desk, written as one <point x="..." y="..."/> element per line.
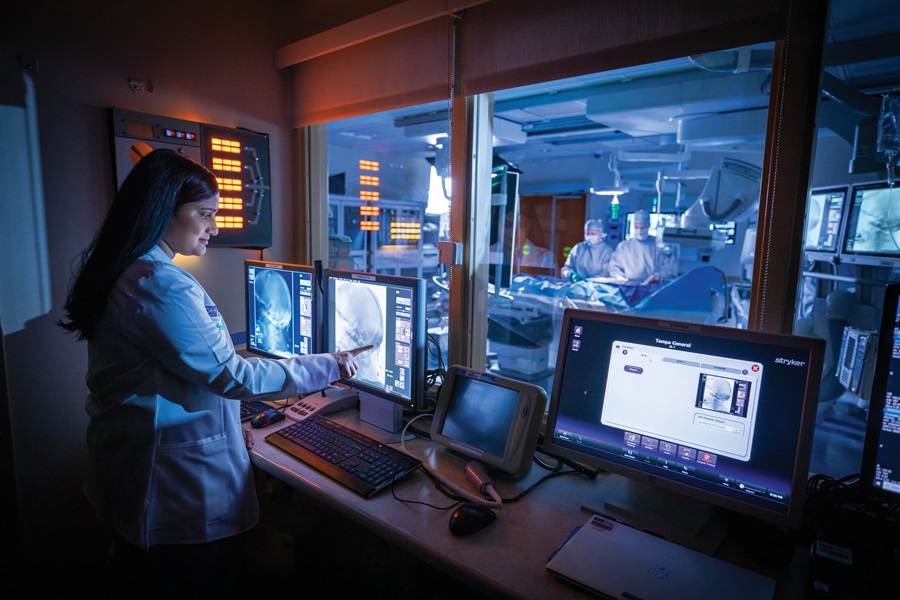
<point x="612" y="559"/>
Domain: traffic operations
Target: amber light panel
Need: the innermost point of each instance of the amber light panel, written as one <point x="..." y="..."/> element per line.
<point x="369" y="165"/>
<point x="405" y="231"/>
<point x="229" y="203"/>
<point x="226" y="164"/>
<point x="226" y="222"/>
<point x="229" y="185"/>
<point x="220" y="145"/>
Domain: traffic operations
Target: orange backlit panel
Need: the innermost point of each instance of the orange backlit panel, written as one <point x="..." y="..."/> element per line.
<point x="225" y="222"/>
<point x="405" y="231"/>
<point x="221" y="145"/>
<point x="369" y="225"/>
<point x="369" y="211"/>
<point x="369" y="180"/>
<point x="229" y="185"/>
<point x="226" y="164"/>
<point x="369" y="165"/>
<point x="369" y="196"/>
<point x="229" y="203"/>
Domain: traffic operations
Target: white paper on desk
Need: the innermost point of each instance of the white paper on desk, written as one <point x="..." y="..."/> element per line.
<point x="612" y="559"/>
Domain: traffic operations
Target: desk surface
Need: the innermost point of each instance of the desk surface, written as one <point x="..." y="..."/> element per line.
<point x="507" y="558"/>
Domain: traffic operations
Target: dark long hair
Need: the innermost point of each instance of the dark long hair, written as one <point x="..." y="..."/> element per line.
<point x="137" y="220"/>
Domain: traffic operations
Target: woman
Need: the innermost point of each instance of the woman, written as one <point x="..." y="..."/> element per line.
<point x="168" y="470"/>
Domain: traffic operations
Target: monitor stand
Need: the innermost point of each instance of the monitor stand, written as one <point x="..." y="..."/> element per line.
<point x="380" y="412"/>
<point x="683" y="520"/>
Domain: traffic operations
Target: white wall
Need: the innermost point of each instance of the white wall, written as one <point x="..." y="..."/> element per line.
<point x="210" y="62"/>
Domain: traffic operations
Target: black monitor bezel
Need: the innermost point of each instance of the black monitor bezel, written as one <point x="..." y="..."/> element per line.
<point x="316" y="303"/>
<point x="815" y="347"/>
<point x="877" y="399"/>
<point x="856" y="257"/>
<point x="416" y="401"/>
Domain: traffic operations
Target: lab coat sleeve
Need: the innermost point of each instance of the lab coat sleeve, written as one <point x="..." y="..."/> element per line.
<point x="174" y="324"/>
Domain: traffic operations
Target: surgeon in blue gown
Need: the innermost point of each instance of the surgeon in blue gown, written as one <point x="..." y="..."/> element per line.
<point x="638" y="260"/>
<point x="168" y="471"/>
<point x="589" y="259"/>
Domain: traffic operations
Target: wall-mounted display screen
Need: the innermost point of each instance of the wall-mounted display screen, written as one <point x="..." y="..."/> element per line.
<point x="824" y="216"/>
<point x="872" y="235"/>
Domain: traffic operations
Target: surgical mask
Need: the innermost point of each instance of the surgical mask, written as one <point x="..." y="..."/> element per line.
<point x="641" y="233"/>
<point x="594" y="238"/>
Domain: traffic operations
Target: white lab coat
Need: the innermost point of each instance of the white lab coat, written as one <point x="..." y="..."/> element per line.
<point x="588" y="261"/>
<point x="167" y="462"/>
<point x="636" y="260"/>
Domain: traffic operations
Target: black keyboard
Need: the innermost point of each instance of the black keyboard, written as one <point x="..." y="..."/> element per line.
<point x="249" y="408"/>
<point x="364" y="465"/>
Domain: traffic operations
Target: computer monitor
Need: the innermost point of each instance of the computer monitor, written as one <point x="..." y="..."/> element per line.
<point x="724" y="416"/>
<point x="387" y="311"/>
<point x="668" y="219"/>
<point x="282" y="309"/>
<point x="824" y="218"/>
<point x="880" y="467"/>
<point x="872" y="234"/>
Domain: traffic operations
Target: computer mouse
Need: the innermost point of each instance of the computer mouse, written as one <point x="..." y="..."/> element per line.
<point x="469" y="518"/>
<point x="266" y="418"/>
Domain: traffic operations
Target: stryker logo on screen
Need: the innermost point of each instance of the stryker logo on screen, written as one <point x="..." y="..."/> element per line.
<point x="790" y="362"/>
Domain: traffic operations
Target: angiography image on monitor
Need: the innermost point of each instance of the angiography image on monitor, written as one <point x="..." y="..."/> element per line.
<point x="874" y="223"/>
<point x="360" y="321"/>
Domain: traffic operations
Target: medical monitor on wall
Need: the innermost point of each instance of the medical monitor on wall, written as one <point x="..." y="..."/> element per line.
<point x="720" y="415"/>
<point x="282" y="308"/>
<point x="872" y="234"/>
<point x="824" y="218"/>
<point x="388" y="312"/>
<point x="668" y="219"/>
<point x="880" y="469"/>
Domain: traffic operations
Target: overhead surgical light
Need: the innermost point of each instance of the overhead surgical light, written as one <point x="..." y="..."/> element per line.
<point x="607" y="181"/>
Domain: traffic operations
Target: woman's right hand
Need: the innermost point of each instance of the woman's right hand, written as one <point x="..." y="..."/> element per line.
<point x="346" y="360"/>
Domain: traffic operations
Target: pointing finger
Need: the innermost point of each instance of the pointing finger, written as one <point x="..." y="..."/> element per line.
<point x="358" y="351"/>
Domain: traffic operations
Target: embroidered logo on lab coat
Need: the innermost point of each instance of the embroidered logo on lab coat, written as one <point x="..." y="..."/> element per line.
<point x="213" y="313"/>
